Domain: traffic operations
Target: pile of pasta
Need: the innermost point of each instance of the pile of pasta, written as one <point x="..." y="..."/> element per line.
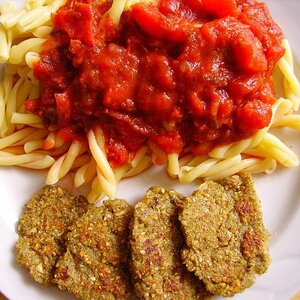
<point x="25" y="142"/>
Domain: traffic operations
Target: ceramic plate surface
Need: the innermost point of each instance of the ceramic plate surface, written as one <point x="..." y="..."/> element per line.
<point x="279" y="193"/>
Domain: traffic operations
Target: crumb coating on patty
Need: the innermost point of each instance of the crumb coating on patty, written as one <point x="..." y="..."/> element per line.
<point x="95" y="265"/>
<point x="156" y="243"/>
<point x="226" y="241"/>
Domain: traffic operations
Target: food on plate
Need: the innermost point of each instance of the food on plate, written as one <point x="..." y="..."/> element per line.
<point x="42" y="229"/>
<point x="212" y="242"/>
<point x="156" y="242"/>
<point x="226" y="241"/>
<point x="95" y="265"/>
<point x="105" y="89"/>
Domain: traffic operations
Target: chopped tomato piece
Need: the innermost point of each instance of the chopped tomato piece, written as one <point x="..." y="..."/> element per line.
<point x="249" y="56"/>
<point x="247" y="49"/>
<point x="69" y="133"/>
<point x="79" y="22"/>
<point x="117" y="154"/>
<point x="32" y="105"/>
<point x="220" y="8"/>
<point x="153" y="22"/>
<point x="261" y="24"/>
<point x="253" y="116"/>
<point x="170" y="141"/>
<point x="63" y="104"/>
<point x="196" y="5"/>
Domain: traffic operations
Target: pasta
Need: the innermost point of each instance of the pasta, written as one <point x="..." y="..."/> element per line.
<point x="25" y="142"/>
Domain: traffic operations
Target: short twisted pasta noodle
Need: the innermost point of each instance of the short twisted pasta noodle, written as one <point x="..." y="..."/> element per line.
<point x="246" y="165"/>
<point x="208" y="167"/>
<point x="272" y="146"/>
<point x="86" y="173"/>
<point x="4" y="45"/>
<point x="236" y="148"/>
<point x="290" y="82"/>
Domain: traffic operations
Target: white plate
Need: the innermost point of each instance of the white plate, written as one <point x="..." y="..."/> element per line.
<point x="279" y="192"/>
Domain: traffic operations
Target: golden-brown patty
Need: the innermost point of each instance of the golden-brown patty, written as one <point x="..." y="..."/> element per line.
<point x="42" y="229"/>
<point x="156" y="243"/>
<point x="225" y="236"/>
<point x="95" y="265"/>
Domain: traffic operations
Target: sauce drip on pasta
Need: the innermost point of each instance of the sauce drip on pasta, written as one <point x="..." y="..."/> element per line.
<point x="187" y="75"/>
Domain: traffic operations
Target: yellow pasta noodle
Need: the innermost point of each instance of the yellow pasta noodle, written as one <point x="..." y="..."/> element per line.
<point x="42" y="31"/>
<point x="36" y="134"/>
<point x="116" y="10"/>
<point x="100" y="157"/>
<point x="44" y="163"/>
<point x="15" y="160"/>
<point x="4" y="46"/>
<point x="18" y="118"/>
<point x="85" y="174"/>
<point x="18" y="52"/>
<point x="289" y="75"/>
<point x="72" y="154"/>
<point x="291" y="121"/>
<point x="14" y="137"/>
<point x="10" y="19"/>
<point x="53" y="173"/>
<point x="96" y="192"/>
<point x="173" y="164"/>
<point x="144" y="164"/>
<point x="2" y="104"/>
<point x="107" y="186"/>
<point x="272" y="146"/>
<point x="33" y="145"/>
<point x="80" y="161"/>
<point x="31" y="4"/>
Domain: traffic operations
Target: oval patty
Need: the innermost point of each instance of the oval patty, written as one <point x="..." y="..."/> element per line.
<point x="225" y="236"/>
<point x="156" y="243"/>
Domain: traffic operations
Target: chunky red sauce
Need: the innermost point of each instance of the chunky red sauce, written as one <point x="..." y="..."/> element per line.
<point x="201" y="66"/>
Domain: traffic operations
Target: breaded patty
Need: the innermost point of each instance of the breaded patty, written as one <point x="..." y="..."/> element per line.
<point x="156" y="243"/>
<point x="42" y="229"/>
<point x="225" y="236"/>
<point x="95" y="265"/>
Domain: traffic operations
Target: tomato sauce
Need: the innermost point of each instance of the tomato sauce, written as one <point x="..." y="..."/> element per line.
<point x="187" y="75"/>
